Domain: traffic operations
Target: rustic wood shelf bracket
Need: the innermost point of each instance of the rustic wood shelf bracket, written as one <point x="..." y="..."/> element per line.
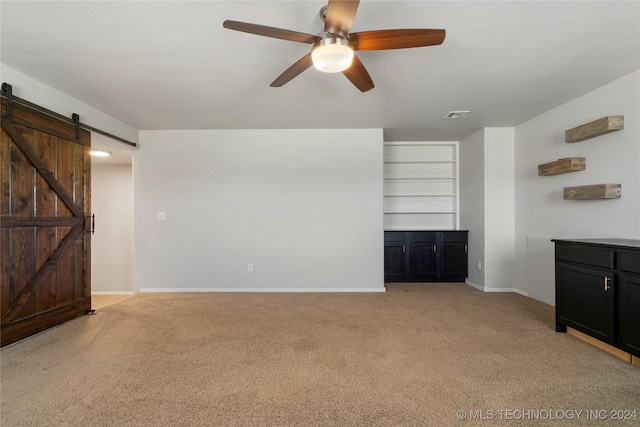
<point x="597" y="191"/>
<point x="595" y="128"/>
<point x="566" y="165"/>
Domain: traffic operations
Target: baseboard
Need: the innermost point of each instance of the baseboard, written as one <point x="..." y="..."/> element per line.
<point x="621" y="354"/>
<point x="514" y="290"/>
<point x="473" y="285"/>
<point x="263" y="289"/>
<point x="113" y="293"/>
<point x="485" y="289"/>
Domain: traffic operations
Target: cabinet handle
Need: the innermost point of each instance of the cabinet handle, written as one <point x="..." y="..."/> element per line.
<point x="466" y="248"/>
<point x="606" y="284"/>
<point x="434" y="248"/>
<point x="403" y="249"/>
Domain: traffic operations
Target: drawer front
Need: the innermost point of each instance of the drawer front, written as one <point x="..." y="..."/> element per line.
<point x="423" y="236"/>
<point x="583" y="254"/>
<point x="629" y="261"/>
<point x="392" y="236"/>
<point x="454" y="236"/>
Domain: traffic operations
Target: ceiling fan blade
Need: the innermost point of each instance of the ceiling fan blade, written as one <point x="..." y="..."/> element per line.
<point x="339" y="16"/>
<point x="358" y="75"/>
<point x="291" y="72"/>
<point x="395" y="39"/>
<point x="263" y="30"/>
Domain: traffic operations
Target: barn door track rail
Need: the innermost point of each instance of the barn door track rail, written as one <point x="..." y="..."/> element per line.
<point x="7" y="92"/>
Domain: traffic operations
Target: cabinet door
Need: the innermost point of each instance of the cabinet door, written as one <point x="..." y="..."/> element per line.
<point x="454" y="256"/>
<point x="584" y="300"/>
<point x="454" y="261"/>
<point x="629" y="305"/>
<point x="394" y="261"/>
<point x="423" y="253"/>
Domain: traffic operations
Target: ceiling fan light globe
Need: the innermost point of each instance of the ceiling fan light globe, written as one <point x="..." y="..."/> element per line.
<point x="332" y="58"/>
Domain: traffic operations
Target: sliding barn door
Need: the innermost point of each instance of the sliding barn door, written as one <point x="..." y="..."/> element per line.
<point x="44" y="209"/>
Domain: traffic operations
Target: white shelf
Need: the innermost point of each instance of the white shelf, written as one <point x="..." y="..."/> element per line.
<point x="417" y="158"/>
<point x="421" y="185"/>
<point x="421" y="195"/>
<point x="406" y="178"/>
<point x="423" y="212"/>
<point x="420" y="143"/>
<point x="409" y="221"/>
<point x="419" y="162"/>
<point x="407" y="194"/>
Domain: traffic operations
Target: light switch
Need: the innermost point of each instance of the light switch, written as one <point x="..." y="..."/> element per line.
<point x="162" y="216"/>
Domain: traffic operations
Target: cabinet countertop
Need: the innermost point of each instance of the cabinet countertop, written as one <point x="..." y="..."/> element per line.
<point x="425" y="231"/>
<point x="623" y="243"/>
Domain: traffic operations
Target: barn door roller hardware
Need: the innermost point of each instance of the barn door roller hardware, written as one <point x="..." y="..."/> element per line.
<point x="76" y="121"/>
<point x="7" y="92"/>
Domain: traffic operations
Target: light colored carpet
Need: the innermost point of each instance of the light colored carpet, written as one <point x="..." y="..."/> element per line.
<point x="415" y="355"/>
<point x="101" y="301"/>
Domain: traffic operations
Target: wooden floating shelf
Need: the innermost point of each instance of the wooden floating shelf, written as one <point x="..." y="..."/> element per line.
<point x="569" y="164"/>
<point x="595" y="128"/>
<point x="598" y="191"/>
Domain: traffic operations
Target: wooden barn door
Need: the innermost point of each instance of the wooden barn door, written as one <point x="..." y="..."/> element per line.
<point x="45" y="238"/>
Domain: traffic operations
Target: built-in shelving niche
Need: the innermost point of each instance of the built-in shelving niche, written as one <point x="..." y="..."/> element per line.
<point x="421" y="186"/>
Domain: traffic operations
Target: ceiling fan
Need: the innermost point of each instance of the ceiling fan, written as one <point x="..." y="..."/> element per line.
<point x="333" y="48"/>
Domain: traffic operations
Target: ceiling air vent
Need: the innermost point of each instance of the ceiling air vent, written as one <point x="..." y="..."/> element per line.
<point x="456" y="114"/>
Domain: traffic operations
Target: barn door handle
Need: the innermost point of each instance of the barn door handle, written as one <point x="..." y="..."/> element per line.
<point x="93" y="223"/>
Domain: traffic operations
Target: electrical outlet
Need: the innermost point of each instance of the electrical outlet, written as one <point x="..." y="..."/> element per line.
<point x="249" y="267"/>
<point x="162" y="216"/>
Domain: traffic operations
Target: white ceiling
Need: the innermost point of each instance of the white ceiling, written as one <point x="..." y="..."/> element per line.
<point x="171" y="65"/>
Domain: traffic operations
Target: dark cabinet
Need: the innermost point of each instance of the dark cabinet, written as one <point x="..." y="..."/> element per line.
<point x="395" y="259"/>
<point x="425" y="256"/>
<point x="630" y="313"/>
<point x="629" y="316"/>
<point x="423" y="251"/>
<point x="584" y="300"/>
<point x="455" y="249"/>
<point x="598" y="290"/>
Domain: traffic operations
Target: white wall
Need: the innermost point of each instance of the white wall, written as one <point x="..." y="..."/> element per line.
<point x="487" y="207"/>
<point x="38" y="93"/>
<point x="472" y="189"/>
<point x="303" y="206"/>
<point x="541" y="212"/>
<point x="499" y="195"/>
<point x="112" y="243"/>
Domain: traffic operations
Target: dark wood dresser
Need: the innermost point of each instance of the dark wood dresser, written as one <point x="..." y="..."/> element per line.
<point x="425" y="256"/>
<point x="598" y="290"/>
